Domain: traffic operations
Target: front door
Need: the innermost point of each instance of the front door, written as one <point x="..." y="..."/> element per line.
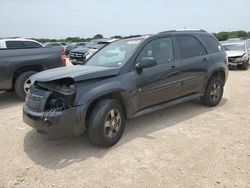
<point x="157" y="84"/>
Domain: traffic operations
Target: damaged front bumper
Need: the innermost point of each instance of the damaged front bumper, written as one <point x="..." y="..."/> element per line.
<point x="57" y="124"/>
<point x="54" y="113"/>
<point x="232" y="62"/>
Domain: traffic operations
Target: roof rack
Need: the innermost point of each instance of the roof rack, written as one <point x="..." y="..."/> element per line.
<point x="183" y="30"/>
<point x="132" y="36"/>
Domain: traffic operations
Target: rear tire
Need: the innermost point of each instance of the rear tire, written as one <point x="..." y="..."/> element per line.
<point x="20" y="82"/>
<point x="214" y="92"/>
<point x="106" y="123"/>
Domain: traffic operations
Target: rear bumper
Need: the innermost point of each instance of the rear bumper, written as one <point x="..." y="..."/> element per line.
<point x="58" y="124"/>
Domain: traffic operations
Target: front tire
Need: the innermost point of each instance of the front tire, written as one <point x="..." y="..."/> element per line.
<point x="214" y="92"/>
<point x="106" y="124"/>
<point x="22" y="84"/>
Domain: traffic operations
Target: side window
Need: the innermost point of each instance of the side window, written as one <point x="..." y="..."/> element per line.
<point x="189" y="46"/>
<point x="14" y="44"/>
<point x="160" y="49"/>
<point x="211" y="45"/>
<point x="31" y="44"/>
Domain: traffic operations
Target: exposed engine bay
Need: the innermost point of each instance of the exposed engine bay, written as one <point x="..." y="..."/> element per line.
<point x="57" y="95"/>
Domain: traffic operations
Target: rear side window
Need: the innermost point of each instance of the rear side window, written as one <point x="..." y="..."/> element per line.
<point x="160" y="49"/>
<point x="14" y="44"/>
<point x="211" y="45"/>
<point x="189" y="46"/>
<point x="31" y="44"/>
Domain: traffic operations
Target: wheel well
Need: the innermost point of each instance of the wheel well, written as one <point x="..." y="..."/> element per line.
<point x="21" y="70"/>
<point x="113" y="95"/>
<point x="220" y="74"/>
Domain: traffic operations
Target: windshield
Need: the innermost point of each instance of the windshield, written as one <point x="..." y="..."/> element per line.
<point x="91" y="44"/>
<point x="234" y="47"/>
<point x="99" y="45"/>
<point x="115" y="54"/>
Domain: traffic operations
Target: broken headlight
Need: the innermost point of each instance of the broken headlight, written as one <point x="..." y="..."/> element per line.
<point x="62" y="96"/>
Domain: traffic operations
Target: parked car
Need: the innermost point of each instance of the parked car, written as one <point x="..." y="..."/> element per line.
<point x="126" y="79"/>
<point x="19" y="59"/>
<point x="53" y="44"/>
<point x="81" y="54"/>
<point x="18" y="43"/>
<point x="238" y="53"/>
<point x="236" y="39"/>
<point x="73" y="46"/>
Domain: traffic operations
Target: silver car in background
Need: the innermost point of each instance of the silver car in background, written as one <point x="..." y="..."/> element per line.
<point x="238" y="53"/>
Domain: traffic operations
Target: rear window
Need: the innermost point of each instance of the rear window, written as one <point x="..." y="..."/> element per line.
<point x="189" y="46"/>
<point x="211" y="45"/>
<point x="31" y="44"/>
<point x="14" y="44"/>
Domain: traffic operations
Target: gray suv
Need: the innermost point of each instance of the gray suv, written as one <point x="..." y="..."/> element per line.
<point x="126" y="79"/>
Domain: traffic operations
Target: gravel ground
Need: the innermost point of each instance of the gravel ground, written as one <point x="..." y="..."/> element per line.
<point x="188" y="145"/>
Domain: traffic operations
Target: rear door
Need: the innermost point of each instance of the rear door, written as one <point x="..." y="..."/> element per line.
<point x="157" y="84"/>
<point x="192" y="64"/>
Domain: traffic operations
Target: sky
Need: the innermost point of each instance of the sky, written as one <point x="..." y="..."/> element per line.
<point x="85" y="18"/>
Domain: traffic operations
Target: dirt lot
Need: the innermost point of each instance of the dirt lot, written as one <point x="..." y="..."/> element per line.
<point x="188" y="145"/>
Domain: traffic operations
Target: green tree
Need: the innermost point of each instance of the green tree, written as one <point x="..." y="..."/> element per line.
<point x="221" y="36"/>
<point x="98" y="36"/>
<point x="117" y="37"/>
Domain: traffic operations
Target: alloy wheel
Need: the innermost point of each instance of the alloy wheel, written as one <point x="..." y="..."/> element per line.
<point x="215" y="91"/>
<point x="27" y="85"/>
<point x="112" y="123"/>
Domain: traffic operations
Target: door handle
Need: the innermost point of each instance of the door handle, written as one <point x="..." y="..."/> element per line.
<point x="204" y="59"/>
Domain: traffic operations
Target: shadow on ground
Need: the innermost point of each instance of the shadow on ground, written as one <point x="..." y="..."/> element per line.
<point x="8" y="99"/>
<point x="57" y="154"/>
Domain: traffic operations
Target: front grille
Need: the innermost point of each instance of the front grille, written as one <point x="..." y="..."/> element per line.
<point x="34" y="101"/>
<point x="231" y="59"/>
<point x="36" y="98"/>
<point x="76" y="56"/>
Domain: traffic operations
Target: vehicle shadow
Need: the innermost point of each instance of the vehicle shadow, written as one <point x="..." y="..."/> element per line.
<point x="57" y="154"/>
<point x="8" y="99"/>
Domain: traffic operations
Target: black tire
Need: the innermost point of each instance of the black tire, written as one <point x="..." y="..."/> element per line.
<point x="214" y="92"/>
<point x="20" y="81"/>
<point x="99" y="117"/>
<point x="245" y="65"/>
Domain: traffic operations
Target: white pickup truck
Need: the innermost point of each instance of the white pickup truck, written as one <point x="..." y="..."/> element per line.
<point x="19" y="43"/>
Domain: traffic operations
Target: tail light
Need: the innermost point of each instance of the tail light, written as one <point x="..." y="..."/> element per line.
<point x="63" y="57"/>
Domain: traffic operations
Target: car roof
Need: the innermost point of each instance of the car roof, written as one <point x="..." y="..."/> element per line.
<point x="16" y="39"/>
<point x="177" y="31"/>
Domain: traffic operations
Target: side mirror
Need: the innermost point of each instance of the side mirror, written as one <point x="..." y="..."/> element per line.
<point x="146" y="62"/>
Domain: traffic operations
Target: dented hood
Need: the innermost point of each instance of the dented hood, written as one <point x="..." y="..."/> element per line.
<point x="76" y="72"/>
<point x="235" y="53"/>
